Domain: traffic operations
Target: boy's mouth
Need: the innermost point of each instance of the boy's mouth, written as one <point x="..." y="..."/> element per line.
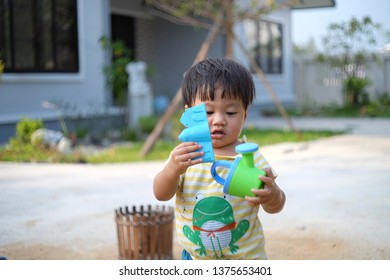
<point x="217" y="133"/>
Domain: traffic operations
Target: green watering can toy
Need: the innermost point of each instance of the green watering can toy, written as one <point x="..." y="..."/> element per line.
<point x="243" y="174"/>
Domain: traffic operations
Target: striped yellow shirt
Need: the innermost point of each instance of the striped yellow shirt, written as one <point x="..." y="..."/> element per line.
<point x="223" y="226"/>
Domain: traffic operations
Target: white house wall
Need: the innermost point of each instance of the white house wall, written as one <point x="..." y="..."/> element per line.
<point x="21" y="95"/>
<point x="173" y="48"/>
<point x="176" y="47"/>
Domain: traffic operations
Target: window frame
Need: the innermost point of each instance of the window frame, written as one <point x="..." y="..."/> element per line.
<point x="38" y="64"/>
<point x="268" y="64"/>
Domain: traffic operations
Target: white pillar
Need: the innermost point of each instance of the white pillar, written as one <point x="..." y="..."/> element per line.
<point x="140" y="96"/>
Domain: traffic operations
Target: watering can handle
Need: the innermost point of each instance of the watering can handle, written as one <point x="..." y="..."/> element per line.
<point x="214" y="173"/>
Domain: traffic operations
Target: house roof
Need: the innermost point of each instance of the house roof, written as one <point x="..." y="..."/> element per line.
<point x="312" y="4"/>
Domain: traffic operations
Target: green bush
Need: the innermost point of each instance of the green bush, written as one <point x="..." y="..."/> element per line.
<point x="2" y="66"/>
<point x="355" y="92"/>
<point x="24" y="129"/>
<point x="129" y="135"/>
<point x="147" y="123"/>
<point x="378" y="107"/>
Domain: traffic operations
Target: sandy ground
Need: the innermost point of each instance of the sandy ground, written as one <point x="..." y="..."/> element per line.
<point x="338" y="202"/>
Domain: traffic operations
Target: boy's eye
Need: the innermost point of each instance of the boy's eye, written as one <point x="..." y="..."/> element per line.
<point x="231" y="113"/>
<point x="209" y="112"/>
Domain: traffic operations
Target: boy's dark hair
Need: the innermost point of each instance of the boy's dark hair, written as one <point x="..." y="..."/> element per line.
<point x="205" y="76"/>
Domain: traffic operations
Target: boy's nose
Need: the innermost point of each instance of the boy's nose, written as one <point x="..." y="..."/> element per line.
<point x="218" y="119"/>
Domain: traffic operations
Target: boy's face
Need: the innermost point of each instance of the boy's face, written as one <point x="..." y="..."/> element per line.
<point x="226" y="119"/>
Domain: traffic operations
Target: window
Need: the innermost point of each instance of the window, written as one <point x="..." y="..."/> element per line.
<point x="123" y="29"/>
<point x="265" y="44"/>
<point x="39" y="36"/>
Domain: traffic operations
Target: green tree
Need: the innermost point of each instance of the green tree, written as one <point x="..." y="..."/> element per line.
<point x="308" y="48"/>
<point x="349" y="46"/>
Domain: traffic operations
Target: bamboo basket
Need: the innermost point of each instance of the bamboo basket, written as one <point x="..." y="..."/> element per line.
<point x="145" y="233"/>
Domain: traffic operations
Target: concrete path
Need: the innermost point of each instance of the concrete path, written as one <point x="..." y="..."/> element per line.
<point x="356" y="126"/>
<point x="338" y="199"/>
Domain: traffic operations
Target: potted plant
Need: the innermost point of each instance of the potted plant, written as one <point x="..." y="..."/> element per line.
<point x="117" y="78"/>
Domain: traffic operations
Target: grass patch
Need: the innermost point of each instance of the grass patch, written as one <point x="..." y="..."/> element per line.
<point x="131" y="152"/>
<point x="30" y="153"/>
<point x="274" y="136"/>
<point x="162" y="149"/>
<point x="379" y="109"/>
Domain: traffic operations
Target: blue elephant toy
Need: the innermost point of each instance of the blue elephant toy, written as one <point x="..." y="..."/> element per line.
<point x="197" y="130"/>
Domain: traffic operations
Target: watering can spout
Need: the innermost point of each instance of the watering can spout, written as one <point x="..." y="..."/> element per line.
<point x="247" y="150"/>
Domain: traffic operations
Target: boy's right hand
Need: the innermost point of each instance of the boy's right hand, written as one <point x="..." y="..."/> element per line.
<point x="182" y="157"/>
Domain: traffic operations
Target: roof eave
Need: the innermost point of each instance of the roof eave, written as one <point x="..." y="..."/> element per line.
<point x="313" y="4"/>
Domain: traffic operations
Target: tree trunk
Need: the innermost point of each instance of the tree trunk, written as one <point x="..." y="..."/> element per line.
<point x="228" y="14"/>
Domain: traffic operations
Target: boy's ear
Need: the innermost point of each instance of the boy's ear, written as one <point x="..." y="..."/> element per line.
<point x="186" y="106"/>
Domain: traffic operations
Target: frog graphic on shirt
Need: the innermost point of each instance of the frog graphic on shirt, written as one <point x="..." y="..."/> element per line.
<point x="214" y="227"/>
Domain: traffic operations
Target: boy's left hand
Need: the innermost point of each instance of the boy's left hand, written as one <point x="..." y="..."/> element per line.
<point x="266" y="195"/>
